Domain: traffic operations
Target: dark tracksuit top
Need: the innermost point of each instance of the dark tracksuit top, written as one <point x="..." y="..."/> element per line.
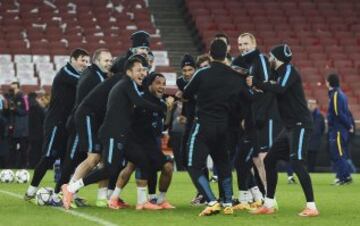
<point x="339" y="121"/>
<point x="95" y="102"/>
<point x="63" y="92"/>
<point x="263" y="103"/>
<point x="91" y="112"/>
<point x="188" y="109"/>
<point x="214" y="88"/>
<point x="294" y="113"/>
<point x="317" y="132"/>
<point x="89" y="79"/>
<point x="212" y="92"/>
<point x="290" y="95"/>
<point x="240" y="110"/>
<point x="146" y="129"/>
<point x="120" y="108"/>
<point x="147" y="124"/>
<point x="62" y="102"/>
<point x="264" y="110"/>
<point x="339" y="118"/>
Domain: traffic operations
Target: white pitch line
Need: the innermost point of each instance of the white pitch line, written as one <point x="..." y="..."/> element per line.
<point x="74" y="213"/>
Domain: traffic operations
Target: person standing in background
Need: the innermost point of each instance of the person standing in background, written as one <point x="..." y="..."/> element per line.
<point x="3" y="131"/>
<point x="18" y="126"/>
<point x="316" y="135"/>
<point x="36" y="120"/>
<point x="340" y="125"/>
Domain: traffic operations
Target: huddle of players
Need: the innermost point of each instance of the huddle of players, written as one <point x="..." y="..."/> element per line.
<point x="92" y="112"/>
<point x="245" y="112"/>
<point x="109" y="118"/>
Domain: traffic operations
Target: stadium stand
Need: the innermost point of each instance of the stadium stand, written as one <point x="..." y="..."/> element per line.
<point x="322" y="38"/>
<point x="36" y="35"/>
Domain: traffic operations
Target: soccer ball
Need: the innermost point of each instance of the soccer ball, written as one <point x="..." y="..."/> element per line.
<point x="43" y="196"/>
<point x="7" y="176"/>
<point x="22" y="176"/>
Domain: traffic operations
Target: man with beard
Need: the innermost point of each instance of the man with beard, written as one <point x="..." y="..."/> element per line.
<point x="292" y="143"/>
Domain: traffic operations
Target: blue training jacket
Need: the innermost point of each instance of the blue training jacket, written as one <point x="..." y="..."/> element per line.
<point x="339" y="118"/>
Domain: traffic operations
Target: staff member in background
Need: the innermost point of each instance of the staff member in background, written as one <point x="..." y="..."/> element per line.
<point x="3" y="131"/>
<point x="316" y="135"/>
<point x="18" y="126"/>
<point x="36" y="120"/>
<point x="340" y="124"/>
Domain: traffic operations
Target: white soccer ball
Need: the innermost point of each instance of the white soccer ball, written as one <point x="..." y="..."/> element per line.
<point x="7" y="176"/>
<point x="22" y="176"/>
<point x="43" y="196"/>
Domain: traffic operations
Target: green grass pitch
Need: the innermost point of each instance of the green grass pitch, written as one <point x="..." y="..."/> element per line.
<point x="338" y="206"/>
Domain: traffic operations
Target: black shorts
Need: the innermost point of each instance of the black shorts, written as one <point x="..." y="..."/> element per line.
<point x="153" y="151"/>
<point x="54" y="143"/>
<point x="291" y="144"/>
<point x="136" y="154"/>
<point x="266" y="136"/>
<point x="113" y="152"/>
<point x="87" y="127"/>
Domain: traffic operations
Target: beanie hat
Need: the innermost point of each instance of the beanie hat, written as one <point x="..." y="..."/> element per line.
<point x="140" y="39"/>
<point x="282" y="52"/>
<point x="333" y="80"/>
<point x="218" y="49"/>
<point x="187" y="60"/>
<point x="142" y="58"/>
<point x="148" y="80"/>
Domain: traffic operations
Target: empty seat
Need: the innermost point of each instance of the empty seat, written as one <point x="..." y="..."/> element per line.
<point x="41" y="59"/>
<point x="61" y="59"/>
<point x="20" y="58"/>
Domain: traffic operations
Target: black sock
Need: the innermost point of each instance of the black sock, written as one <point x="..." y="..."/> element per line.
<point x="152" y="182"/>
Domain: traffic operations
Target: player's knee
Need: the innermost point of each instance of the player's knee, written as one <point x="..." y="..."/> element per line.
<point x="168" y="168"/>
<point x="93" y="160"/>
<point x="270" y="160"/>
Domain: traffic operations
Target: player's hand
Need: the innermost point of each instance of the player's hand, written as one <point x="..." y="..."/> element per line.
<point x="170" y="101"/>
<point x="257" y="90"/>
<point x="179" y="94"/>
<point x="249" y="81"/>
<point x="181" y="119"/>
<point x="351" y="130"/>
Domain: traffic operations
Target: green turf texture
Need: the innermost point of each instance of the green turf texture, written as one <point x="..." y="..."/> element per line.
<point x="339" y="205"/>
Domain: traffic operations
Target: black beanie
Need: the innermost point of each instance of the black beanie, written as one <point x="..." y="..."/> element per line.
<point x="187" y="60"/>
<point x="333" y="80"/>
<point x="148" y="80"/>
<point x="141" y="57"/>
<point x="282" y="52"/>
<point x="218" y="49"/>
<point x="140" y="39"/>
